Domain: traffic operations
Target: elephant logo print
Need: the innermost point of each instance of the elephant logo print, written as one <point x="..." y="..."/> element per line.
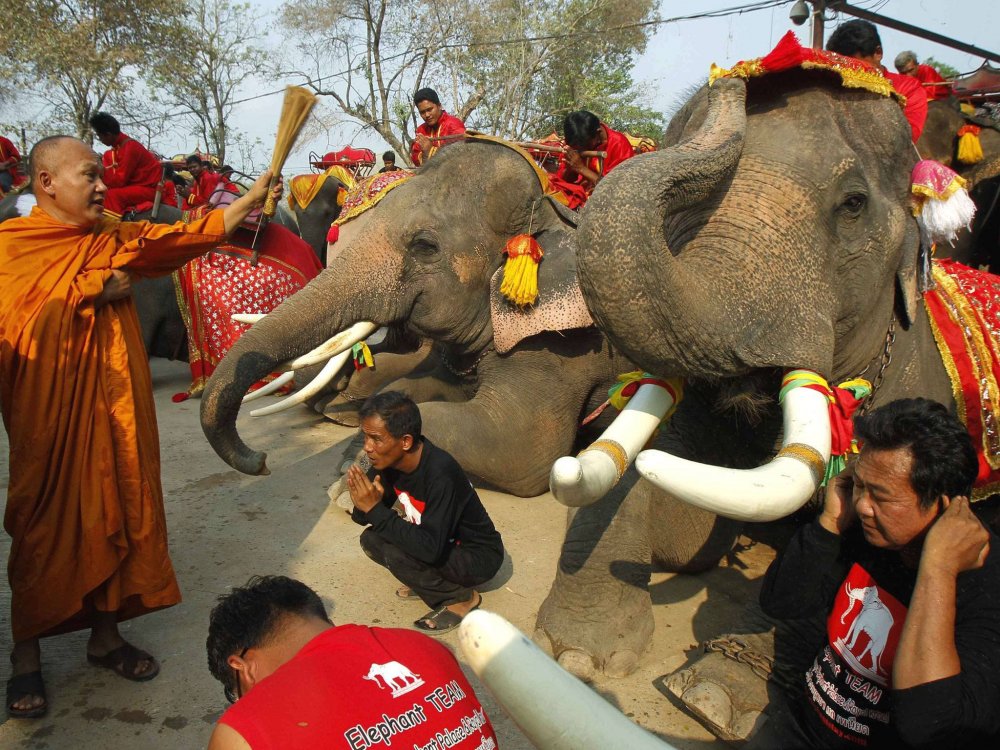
<point x="873" y="619"/>
<point x="412" y="508"/>
<point x="395" y="677"/>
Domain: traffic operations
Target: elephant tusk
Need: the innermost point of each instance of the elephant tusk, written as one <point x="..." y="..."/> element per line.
<point x="329" y="371"/>
<point x="553" y="709"/>
<point x="334" y="346"/>
<point x="586" y="478"/>
<point x="270" y="388"/>
<point x="766" y="493"/>
<point x="248" y="318"/>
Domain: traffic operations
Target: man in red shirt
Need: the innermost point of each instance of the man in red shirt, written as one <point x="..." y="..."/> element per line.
<point x="297" y="681"/>
<point x="10" y="157"/>
<point x="437" y="124"/>
<point x="582" y="131"/>
<point x="906" y="63"/>
<point x="860" y="40"/>
<point x="205" y="181"/>
<point x="131" y="171"/>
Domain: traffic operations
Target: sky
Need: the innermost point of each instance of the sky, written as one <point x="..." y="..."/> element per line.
<point x="678" y="57"/>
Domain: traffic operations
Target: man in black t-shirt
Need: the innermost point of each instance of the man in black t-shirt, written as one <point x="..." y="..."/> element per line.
<point x="903" y="570"/>
<point x="444" y="544"/>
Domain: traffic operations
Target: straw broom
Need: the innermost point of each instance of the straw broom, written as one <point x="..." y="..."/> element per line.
<point x="295" y="110"/>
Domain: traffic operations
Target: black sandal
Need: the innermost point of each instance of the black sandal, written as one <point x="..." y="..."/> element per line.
<point x="123" y="661"/>
<point x="21" y="686"/>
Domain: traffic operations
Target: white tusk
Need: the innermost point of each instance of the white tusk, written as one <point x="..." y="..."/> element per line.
<point x="588" y="477"/>
<point x="766" y="493"/>
<point x="248" y="318"/>
<point x="334" y="346"/>
<point x="552" y="707"/>
<point x="329" y="371"/>
<point x="269" y="388"/>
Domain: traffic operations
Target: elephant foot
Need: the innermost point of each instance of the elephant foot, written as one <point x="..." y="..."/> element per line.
<point x="606" y="638"/>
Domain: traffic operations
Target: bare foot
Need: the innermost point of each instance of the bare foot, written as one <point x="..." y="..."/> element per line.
<point x="27" y="658"/>
<point x="105" y="638"/>
<point x="463" y="608"/>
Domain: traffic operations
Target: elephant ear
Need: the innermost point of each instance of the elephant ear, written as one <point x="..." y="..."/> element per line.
<point x="560" y="305"/>
<point x="907" y="272"/>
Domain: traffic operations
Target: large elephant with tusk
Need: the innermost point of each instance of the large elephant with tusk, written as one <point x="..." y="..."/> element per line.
<point x="511" y="384"/>
<point x="773" y="233"/>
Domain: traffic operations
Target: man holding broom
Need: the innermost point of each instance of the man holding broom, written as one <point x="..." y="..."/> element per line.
<point x="84" y="504"/>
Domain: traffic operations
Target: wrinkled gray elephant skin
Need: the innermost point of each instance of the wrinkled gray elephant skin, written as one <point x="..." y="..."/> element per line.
<point x="772" y="231"/>
<point x="510" y="387"/>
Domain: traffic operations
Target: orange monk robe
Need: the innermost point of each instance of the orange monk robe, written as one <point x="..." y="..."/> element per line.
<point x="84" y="504"/>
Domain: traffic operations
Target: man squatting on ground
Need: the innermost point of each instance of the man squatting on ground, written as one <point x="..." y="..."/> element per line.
<point x="298" y="682"/>
<point x="909" y="580"/>
<point x="446" y="544"/>
<point x="84" y="504"/>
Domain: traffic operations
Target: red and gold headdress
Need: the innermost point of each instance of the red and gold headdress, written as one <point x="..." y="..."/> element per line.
<point x="789" y="53"/>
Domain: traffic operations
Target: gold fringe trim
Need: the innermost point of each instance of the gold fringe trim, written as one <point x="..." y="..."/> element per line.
<point x="612" y="450"/>
<point x="808" y="455"/>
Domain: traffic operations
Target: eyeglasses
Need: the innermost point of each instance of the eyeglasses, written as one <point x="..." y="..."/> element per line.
<point x="228" y="690"/>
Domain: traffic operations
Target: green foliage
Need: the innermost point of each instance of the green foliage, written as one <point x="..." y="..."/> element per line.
<point x="946" y="70"/>
<point x="80" y="55"/>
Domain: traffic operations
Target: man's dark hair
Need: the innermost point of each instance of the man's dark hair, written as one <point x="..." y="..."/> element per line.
<point x="400" y="415"/>
<point x="389" y="156"/>
<point x="225" y="168"/>
<point x="251" y="616"/>
<point x="426" y="95"/>
<point x="194" y="158"/>
<point x="102" y="122"/>
<point x="944" y="459"/>
<point x="579" y="128"/>
<point x="855" y="38"/>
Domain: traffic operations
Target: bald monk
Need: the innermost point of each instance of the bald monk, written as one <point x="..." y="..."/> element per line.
<point x="84" y="504"/>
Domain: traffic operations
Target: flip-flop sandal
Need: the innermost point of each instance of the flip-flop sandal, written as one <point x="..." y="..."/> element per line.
<point x="123" y="661"/>
<point x="443" y="619"/>
<point x="409" y="595"/>
<point x="21" y="686"/>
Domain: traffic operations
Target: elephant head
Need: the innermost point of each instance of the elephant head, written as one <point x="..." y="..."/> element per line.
<point x="428" y="257"/>
<point x="773" y="233"/>
<point x="315" y="202"/>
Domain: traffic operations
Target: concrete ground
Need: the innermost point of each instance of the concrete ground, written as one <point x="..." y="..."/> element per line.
<point x="225" y="527"/>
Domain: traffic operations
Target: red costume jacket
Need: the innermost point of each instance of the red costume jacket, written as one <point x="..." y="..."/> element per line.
<point x="7" y="150"/>
<point x="202" y="188"/>
<point x="131" y="172"/>
<point x="915" y="109"/>
<point x="927" y="75"/>
<point x="447" y="125"/>
<point x="618" y="149"/>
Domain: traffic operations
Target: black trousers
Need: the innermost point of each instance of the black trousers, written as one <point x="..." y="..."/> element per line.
<point x="448" y="582"/>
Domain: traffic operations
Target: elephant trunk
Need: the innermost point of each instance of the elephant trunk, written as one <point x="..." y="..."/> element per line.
<point x="297" y="325"/>
<point x="622" y="230"/>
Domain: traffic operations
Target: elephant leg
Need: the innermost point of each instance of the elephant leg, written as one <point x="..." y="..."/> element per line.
<point x="597" y="617"/>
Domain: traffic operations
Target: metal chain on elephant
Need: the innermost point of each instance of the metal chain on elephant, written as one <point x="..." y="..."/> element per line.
<point x="738" y="650"/>
<point x="886" y="358"/>
<point x="468" y="370"/>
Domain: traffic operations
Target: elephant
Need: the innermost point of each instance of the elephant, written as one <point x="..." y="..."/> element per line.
<point x="511" y="384"/>
<point x="396" y="677"/>
<point x="313" y="220"/>
<point x="939" y="141"/>
<point x="772" y="231"/>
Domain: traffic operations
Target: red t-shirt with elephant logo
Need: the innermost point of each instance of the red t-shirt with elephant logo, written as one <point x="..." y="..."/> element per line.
<point x="364" y="688"/>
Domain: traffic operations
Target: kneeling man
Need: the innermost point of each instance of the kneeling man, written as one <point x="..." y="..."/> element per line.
<point x="446" y="543"/>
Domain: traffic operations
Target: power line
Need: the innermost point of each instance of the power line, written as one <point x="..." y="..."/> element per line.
<point x="719" y="13"/>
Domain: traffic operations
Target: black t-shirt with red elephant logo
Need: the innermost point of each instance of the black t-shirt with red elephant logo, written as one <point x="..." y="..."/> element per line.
<point x="848" y="699"/>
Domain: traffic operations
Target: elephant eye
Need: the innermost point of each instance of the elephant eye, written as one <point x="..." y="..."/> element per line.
<point x="854" y="204"/>
<point x="424" y="244"/>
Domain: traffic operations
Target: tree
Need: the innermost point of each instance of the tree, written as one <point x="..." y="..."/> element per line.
<point x="944" y="69"/>
<point x="370" y="56"/>
<point x="78" y="56"/>
<point x="221" y="55"/>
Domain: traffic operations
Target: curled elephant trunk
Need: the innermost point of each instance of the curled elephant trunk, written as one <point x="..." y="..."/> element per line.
<point x="768" y="492"/>
<point x="554" y="709"/>
<point x="586" y="478"/>
<point x="632" y="280"/>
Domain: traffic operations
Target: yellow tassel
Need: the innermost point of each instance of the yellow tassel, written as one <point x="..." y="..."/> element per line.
<point x="970" y="150"/>
<point x="520" y="273"/>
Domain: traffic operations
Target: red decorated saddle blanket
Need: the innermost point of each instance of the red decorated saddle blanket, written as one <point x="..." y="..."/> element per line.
<point x="964" y="310"/>
<point x="217" y="285"/>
